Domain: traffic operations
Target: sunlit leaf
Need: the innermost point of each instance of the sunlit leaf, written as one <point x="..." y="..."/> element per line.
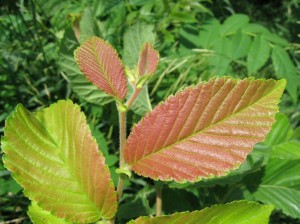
<point x="205" y="130"/>
<point x="40" y="216"/>
<point x="79" y="84"/>
<point x="148" y="60"/>
<point x="54" y="157"/>
<point x="99" y="61"/>
<point x="239" y="212"/>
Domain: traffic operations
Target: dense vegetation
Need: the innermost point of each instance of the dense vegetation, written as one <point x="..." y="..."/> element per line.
<point x="197" y="40"/>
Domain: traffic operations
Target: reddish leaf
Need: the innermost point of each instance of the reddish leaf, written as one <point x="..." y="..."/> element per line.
<point x="99" y="61"/>
<point x="148" y="60"/>
<point x="204" y="130"/>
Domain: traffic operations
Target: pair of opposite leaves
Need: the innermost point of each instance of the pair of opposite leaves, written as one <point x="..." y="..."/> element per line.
<point x="202" y="131"/>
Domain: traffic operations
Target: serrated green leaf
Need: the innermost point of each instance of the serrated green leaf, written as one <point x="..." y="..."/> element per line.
<point x="284" y="68"/>
<point x="134" y="39"/>
<point x="239" y="212"/>
<point x="278" y="184"/>
<point x="54" y="157"/>
<point x="203" y="131"/>
<point x="41" y="216"/>
<point x="258" y="54"/>
<point x="80" y="85"/>
<point x="234" y="23"/>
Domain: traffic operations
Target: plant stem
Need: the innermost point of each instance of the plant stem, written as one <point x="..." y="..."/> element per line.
<point x="122" y="128"/>
<point x="159" y="199"/>
<point x="133" y="97"/>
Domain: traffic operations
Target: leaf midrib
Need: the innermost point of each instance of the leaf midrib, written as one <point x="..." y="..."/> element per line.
<point x="278" y="85"/>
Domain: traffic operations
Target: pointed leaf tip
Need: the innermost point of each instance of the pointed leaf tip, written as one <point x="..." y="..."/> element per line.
<point x="203" y="131"/>
<point x="148" y="60"/>
<point x="53" y="155"/>
<point x="100" y="63"/>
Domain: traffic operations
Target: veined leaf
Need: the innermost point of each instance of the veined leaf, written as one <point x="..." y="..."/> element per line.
<point x="279" y="185"/>
<point x="258" y="54"/>
<point x="205" y="130"/>
<point x="239" y="45"/>
<point x="80" y="85"/>
<point x="148" y="60"/>
<point x="40" y="216"/>
<point x="99" y="61"/>
<point x="54" y="157"/>
<point x="284" y="68"/>
<point x="289" y="150"/>
<point x="209" y="34"/>
<point x="238" y="212"/>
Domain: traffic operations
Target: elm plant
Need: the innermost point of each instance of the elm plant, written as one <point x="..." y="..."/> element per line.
<point x="203" y="131"/>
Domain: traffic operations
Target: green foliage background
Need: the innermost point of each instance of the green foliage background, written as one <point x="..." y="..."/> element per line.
<point x="196" y="40"/>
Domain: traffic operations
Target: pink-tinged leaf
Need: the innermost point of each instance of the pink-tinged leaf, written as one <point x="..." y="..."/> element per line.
<point x="148" y="60"/>
<point x="203" y="131"/>
<point x="53" y="155"/>
<point x="99" y="61"/>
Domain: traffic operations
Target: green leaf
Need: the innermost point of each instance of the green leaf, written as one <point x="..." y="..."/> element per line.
<point x="53" y="156"/>
<point x="87" y="25"/>
<point x="100" y="63"/>
<point x="253" y="28"/>
<point x="279" y="185"/>
<point x="289" y="150"/>
<point x="134" y="39"/>
<point x="284" y="68"/>
<point x="41" y="216"/>
<point x="142" y="104"/>
<point x="258" y="54"/>
<point x="220" y="60"/>
<point x="73" y="75"/>
<point x="275" y="39"/>
<point x="280" y="131"/>
<point x="240" y="45"/>
<point x="203" y="131"/>
<point x="209" y="33"/>
<point x="239" y="212"/>
<point x="234" y="23"/>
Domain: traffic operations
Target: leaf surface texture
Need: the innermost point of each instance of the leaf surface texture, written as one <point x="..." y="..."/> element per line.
<point x="205" y="130"/>
<point x="54" y="157"/>
<point x="99" y="61"/>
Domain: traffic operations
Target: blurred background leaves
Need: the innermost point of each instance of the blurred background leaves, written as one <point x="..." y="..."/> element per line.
<point x="196" y="40"/>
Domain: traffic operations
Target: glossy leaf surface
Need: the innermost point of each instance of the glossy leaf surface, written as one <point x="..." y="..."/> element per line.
<point x="240" y="212"/>
<point x="54" y="157"/>
<point x="205" y="130"/>
<point x="148" y="60"/>
<point x="99" y="61"/>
